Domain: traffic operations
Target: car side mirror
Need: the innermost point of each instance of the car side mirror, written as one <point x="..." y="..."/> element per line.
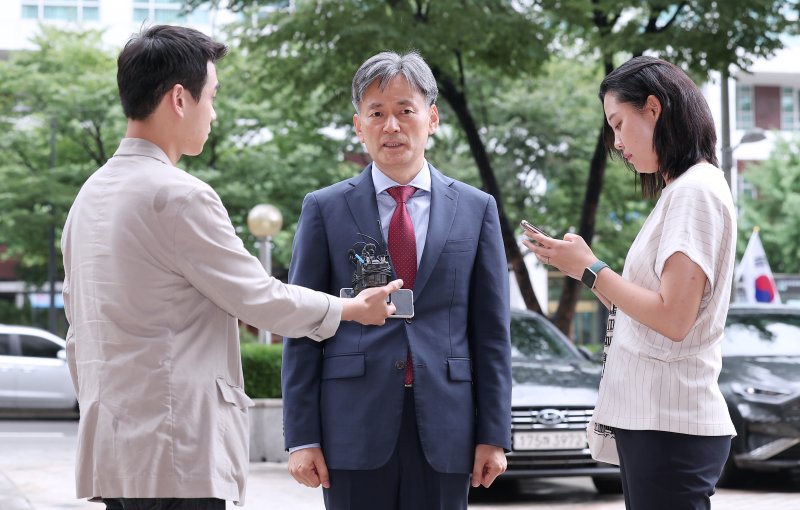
<point x="62" y="355"/>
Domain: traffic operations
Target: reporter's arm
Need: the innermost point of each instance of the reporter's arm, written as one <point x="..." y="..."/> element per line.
<point x="369" y="307"/>
<point x="670" y="311"/>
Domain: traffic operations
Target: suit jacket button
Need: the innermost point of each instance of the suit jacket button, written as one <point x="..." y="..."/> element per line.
<point x="408" y="321"/>
<point x="400" y="365"/>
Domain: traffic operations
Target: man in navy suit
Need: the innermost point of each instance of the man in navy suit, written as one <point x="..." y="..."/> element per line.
<point x="399" y="417"/>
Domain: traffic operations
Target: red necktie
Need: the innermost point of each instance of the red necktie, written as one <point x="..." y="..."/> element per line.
<point x="403" y="248"/>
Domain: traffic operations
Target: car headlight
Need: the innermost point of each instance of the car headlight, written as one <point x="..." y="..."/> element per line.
<point x="763" y="394"/>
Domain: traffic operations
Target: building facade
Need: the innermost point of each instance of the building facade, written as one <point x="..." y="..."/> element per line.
<point x="765" y="97"/>
<point x="118" y="19"/>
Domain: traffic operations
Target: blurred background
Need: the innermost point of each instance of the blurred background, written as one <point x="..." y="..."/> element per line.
<point x="518" y="98"/>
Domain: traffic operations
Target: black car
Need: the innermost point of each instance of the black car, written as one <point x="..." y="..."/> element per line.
<point x="760" y="379"/>
<point x="553" y="397"/>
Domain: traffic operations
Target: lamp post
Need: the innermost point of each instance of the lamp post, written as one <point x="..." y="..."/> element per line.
<point x="752" y="135"/>
<point x="731" y="173"/>
<point x="264" y="221"/>
<point x="52" y="321"/>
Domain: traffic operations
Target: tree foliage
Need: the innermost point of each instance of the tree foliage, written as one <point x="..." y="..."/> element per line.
<point x="699" y="35"/>
<point x="59" y="120"/>
<point x="517" y="79"/>
<point x="774" y="206"/>
<point x="318" y="45"/>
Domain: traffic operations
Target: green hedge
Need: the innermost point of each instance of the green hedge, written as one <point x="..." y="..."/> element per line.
<point x="261" y="364"/>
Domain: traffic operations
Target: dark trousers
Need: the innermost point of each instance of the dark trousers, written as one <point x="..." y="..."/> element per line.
<point x="406" y="482"/>
<point x="669" y="471"/>
<point x="164" y="504"/>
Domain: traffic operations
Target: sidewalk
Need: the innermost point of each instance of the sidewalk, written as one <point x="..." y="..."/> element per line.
<point x="33" y="486"/>
<point x="270" y="486"/>
<point x="10" y="497"/>
<point x="51" y="487"/>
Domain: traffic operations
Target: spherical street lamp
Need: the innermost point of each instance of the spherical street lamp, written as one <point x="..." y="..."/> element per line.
<point x="264" y="221"/>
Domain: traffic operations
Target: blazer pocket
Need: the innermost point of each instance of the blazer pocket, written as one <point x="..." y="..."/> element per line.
<point x="344" y="366"/>
<point x="233" y="394"/>
<point x="458" y="245"/>
<point x="459" y="369"/>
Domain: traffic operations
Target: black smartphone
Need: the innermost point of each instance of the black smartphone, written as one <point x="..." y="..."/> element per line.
<point x="532" y="228"/>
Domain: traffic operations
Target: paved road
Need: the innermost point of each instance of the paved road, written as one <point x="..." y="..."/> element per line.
<point x="37" y="456"/>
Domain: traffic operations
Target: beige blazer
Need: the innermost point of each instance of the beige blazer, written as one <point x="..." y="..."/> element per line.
<point x="155" y="279"/>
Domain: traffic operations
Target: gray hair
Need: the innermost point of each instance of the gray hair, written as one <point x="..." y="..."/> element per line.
<point x="387" y="65"/>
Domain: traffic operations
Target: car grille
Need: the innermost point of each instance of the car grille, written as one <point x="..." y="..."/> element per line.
<point x="530" y="420"/>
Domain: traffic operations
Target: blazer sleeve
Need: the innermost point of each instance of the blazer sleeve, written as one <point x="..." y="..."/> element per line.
<point x="490" y="339"/>
<point x="214" y="260"/>
<point x="302" y="358"/>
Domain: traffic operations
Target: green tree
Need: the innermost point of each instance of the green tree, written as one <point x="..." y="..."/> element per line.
<point x="773" y="207"/>
<point x="59" y="120"/>
<point x="258" y="154"/>
<point x="700" y="35"/>
<point x="318" y="45"/>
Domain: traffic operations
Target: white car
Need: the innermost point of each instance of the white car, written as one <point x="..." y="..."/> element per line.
<point x="33" y="371"/>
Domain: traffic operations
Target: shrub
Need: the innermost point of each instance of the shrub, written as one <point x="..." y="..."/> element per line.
<point x="261" y="364"/>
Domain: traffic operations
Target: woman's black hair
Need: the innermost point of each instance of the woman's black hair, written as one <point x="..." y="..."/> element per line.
<point x="684" y="132"/>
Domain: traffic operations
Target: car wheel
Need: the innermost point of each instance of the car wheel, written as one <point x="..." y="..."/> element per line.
<point x="607" y="485"/>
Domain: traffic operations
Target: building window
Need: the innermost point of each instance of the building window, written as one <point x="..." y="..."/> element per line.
<point x="164" y="11"/>
<point x="61" y="10"/>
<point x="787" y="109"/>
<point x="744" y="107"/>
<point x="30" y="11"/>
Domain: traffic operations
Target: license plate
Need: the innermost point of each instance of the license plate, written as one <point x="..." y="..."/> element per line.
<point x="567" y="440"/>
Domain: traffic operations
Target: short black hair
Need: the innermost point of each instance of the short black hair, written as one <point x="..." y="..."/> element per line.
<point x="159" y="58"/>
<point x="684" y="133"/>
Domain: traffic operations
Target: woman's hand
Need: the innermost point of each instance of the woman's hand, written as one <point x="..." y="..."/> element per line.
<point x="570" y="255"/>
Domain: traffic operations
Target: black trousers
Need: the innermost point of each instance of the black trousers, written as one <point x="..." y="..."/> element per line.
<point x="406" y="482"/>
<point x="670" y="471"/>
<point x="164" y="504"/>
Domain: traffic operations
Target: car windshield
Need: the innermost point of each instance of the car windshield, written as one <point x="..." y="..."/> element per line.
<point x="533" y="339"/>
<point x="762" y="334"/>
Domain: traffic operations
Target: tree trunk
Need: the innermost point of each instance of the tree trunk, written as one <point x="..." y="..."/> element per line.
<point x="571" y="291"/>
<point x="458" y="102"/>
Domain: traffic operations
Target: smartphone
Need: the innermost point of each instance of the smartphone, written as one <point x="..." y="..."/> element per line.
<point x="532" y="228"/>
<point x="403" y="300"/>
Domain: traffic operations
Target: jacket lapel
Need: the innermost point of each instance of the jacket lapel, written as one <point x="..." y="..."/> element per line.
<point x="364" y="208"/>
<point x="444" y="201"/>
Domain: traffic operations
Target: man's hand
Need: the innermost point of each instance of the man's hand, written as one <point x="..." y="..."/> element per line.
<point x="307" y="466"/>
<point x="369" y="306"/>
<point x="490" y="461"/>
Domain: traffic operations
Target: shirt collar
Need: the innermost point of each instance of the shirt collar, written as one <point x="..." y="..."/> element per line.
<point x="142" y="147"/>
<point x="421" y="181"/>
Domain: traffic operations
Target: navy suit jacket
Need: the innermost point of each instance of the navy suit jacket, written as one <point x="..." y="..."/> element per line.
<point x="346" y="393"/>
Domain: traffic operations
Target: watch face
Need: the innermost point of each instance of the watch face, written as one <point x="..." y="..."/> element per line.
<point x="588" y="278"/>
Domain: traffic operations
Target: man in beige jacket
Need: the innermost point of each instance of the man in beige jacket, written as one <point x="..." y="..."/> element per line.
<point x="155" y="278"/>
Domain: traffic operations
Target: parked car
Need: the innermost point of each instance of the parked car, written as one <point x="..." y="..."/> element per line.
<point x="553" y="397"/>
<point x="33" y="371"/>
<point x="760" y="379"/>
